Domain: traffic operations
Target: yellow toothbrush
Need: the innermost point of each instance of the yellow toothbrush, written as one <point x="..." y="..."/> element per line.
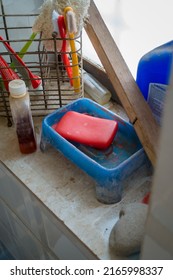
<point x="71" y="30"/>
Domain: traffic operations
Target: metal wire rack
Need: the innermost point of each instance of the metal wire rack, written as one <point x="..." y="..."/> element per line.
<point x="48" y="65"/>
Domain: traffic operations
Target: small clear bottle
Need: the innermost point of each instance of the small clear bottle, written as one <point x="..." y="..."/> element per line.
<point x="22" y="116"/>
<point x="95" y="89"/>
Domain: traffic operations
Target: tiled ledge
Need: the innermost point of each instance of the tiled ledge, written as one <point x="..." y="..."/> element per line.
<point x="68" y="193"/>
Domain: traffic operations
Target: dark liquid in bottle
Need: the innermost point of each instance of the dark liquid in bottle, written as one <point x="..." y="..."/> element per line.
<point x="26" y="137"/>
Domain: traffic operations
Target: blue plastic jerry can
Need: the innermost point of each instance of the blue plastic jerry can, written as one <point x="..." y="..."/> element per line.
<point x="153" y="75"/>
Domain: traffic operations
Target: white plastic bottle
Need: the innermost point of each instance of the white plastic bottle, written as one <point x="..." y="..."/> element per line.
<point x="22" y="116"/>
<point x="95" y="89"/>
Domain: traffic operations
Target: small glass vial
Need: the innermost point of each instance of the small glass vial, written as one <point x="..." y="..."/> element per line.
<point x="22" y="116"/>
<point x="95" y="89"/>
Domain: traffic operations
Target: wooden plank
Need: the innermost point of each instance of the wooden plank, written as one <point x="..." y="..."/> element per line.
<point x="123" y="82"/>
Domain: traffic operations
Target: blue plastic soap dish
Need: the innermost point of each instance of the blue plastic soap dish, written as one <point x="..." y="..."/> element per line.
<point x="109" y="168"/>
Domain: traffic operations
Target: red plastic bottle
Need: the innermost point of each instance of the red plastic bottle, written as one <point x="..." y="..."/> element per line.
<point x="22" y="116"/>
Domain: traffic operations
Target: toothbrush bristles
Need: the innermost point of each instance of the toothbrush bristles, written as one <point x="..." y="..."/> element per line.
<point x="71" y="22"/>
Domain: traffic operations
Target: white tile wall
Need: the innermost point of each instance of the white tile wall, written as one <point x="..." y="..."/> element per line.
<point x="17" y="26"/>
<point x="36" y="231"/>
<point x="19" y="240"/>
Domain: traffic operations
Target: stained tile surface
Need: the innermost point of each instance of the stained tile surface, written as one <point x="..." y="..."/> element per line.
<point x="52" y="182"/>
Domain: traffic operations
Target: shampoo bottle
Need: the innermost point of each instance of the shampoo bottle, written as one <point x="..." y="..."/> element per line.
<point x="153" y="74"/>
<point x="22" y="116"/>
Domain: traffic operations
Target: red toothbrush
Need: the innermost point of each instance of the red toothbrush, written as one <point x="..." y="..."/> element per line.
<point x="28" y="76"/>
<point x="7" y="73"/>
<point x="66" y="61"/>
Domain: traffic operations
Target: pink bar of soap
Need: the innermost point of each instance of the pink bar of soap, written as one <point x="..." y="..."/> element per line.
<point x="85" y="129"/>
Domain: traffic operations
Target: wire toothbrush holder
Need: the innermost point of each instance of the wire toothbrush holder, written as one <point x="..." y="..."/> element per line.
<point x="57" y="89"/>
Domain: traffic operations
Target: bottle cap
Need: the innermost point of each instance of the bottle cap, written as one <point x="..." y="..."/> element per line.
<point x="17" y="88"/>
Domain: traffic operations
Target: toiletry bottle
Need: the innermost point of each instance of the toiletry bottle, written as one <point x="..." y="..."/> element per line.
<point x="153" y="74"/>
<point x="22" y="117"/>
<point x="95" y="89"/>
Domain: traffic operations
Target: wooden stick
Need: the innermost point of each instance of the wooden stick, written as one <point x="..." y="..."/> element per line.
<point x="123" y="82"/>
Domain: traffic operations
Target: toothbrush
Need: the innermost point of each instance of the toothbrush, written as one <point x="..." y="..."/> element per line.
<point x="25" y="47"/>
<point x="66" y="61"/>
<point x="32" y="81"/>
<point x="7" y="73"/>
<point x="55" y="16"/>
<point x="60" y="29"/>
<point x="27" y="44"/>
<point x="71" y="30"/>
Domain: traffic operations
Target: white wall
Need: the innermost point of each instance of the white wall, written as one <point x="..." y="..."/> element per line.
<point x="158" y="241"/>
<point x="137" y="26"/>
